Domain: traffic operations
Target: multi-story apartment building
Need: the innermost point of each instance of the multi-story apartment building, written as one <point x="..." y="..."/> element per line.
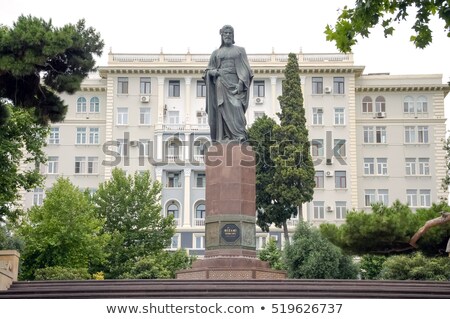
<point x="374" y="138"/>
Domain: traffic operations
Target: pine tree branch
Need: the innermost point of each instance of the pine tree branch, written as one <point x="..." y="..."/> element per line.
<point x="445" y="218"/>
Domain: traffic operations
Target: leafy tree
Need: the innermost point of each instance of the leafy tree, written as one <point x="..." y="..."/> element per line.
<point x="262" y="141"/>
<point x="33" y="48"/>
<point x="64" y="231"/>
<point x="357" y="21"/>
<point x="416" y="267"/>
<point x="272" y="254"/>
<point x="292" y="178"/>
<point x="371" y="266"/>
<point x="21" y="140"/>
<point x="313" y="256"/>
<point x="131" y="208"/>
<point x="388" y="230"/>
<point x="162" y="265"/>
<point x="37" y="61"/>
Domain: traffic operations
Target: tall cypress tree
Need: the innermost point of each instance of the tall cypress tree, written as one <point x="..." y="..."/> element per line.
<point x="292" y="175"/>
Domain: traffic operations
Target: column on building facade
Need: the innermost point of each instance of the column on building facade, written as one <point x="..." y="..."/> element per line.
<point x="187" y="102"/>
<point x="158" y="174"/>
<point x="186" y="149"/>
<point x="160" y="100"/>
<point x="109" y="124"/>
<point x="187" y="198"/>
<point x="352" y="154"/>
<point x="273" y="82"/>
<point x="159" y="147"/>
<point x="439" y="131"/>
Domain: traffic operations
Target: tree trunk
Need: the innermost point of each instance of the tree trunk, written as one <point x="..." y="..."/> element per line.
<point x="286" y="233"/>
<point x="445" y="218"/>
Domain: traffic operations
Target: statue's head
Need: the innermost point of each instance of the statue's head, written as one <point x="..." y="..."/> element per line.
<point x="227" y="35"/>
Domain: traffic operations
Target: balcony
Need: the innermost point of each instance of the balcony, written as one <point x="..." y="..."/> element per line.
<point x="199" y="222"/>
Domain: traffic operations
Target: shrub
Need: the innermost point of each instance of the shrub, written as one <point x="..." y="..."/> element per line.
<point x="62" y="273"/>
<point x="416" y="267"/>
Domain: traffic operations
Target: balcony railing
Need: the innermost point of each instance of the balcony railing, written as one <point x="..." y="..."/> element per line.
<point x="202" y="59"/>
<point x="199" y="222"/>
<point x="292" y="222"/>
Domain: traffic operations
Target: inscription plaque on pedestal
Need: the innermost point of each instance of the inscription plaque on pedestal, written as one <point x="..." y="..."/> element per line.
<point x="230" y="233"/>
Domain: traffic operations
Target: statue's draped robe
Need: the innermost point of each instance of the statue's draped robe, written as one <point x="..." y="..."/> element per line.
<point x="226" y="109"/>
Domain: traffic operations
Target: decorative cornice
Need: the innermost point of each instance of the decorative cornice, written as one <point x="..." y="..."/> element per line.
<point x="404" y="88"/>
<point x="93" y="88"/>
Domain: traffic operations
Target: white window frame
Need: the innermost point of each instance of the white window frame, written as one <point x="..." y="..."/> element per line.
<point x="54" y="135"/>
<point x="122" y="116"/>
<point x="411" y="197"/>
<point x="341" y="210"/>
<point x="198" y="241"/>
<point x="94" y="135"/>
<point x="369" y="197"/>
<point x="144" y="115"/>
<point x="80" y="165"/>
<point x="122" y="85"/>
<point x="339" y="116"/>
<point x="145" y="85"/>
<point x="317" y="147"/>
<point x="94" y="105"/>
<point x="38" y="196"/>
<point x="81" y="105"/>
<point x="317" y="116"/>
<point x="382" y="166"/>
<point x="318" y="210"/>
<point x="92" y="165"/>
<point x="369" y="166"/>
<point x="81" y="136"/>
<point x="52" y="165"/>
<point x="425" y="197"/>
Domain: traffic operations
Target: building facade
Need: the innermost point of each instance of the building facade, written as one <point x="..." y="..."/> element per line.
<point x="374" y="138"/>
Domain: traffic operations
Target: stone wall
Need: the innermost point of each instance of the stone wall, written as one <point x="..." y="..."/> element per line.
<point x="9" y="268"/>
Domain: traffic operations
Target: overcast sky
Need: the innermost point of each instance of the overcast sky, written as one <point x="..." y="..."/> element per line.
<point x="146" y="26"/>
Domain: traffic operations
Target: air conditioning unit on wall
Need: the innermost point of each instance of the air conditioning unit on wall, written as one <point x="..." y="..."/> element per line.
<point x="329" y="173"/>
<point x="134" y="143"/>
<point x="145" y="98"/>
<point x="381" y="114"/>
<point x="327" y="89"/>
<point x="259" y="100"/>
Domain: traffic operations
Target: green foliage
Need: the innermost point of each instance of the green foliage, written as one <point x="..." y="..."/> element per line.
<point x="8" y="241"/>
<point x="388" y="230"/>
<point x="416" y="267"/>
<point x="131" y="208"/>
<point x="64" y="231"/>
<point x="37" y="61"/>
<point x="312" y="256"/>
<point x="285" y="171"/>
<point x="21" y="139"/>
<point x="162" y="265"/>
<point x="367" y="14"/>
<point x="371" y="266"/>
<point x="34" y="47"/>
<point x="272" y="254"/>
<point x="62" y="273"/>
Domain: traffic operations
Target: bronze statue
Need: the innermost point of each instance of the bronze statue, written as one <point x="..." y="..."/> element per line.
<point x="228" y="78"/>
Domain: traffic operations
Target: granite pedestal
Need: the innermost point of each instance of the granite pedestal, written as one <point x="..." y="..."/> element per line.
<point x="230" y="230"/>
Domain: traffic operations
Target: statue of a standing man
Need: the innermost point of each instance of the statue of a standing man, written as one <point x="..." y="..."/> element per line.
<point x="228" y="78"/>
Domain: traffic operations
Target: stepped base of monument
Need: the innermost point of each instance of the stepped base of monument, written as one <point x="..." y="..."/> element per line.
<point x="231" y="268"/>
